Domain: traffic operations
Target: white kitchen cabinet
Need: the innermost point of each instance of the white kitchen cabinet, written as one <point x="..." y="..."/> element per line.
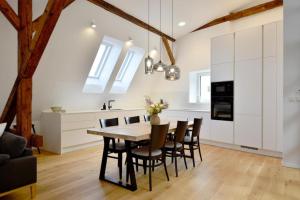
<point x="222" y="72"/>
<point x="270" y="103"/>
<point x="248" y="87"/>
<point x="248" y="131"/>
<point x="222" y="49"/>
<point x="270" y="40"/>
<point x="248" y="44"/>
<point x="221" y="131"/>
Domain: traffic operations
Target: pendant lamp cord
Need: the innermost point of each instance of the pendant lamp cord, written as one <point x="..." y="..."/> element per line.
<point x="148" y="28"/>
<point x="160" y="31"/>
<point x="172" y="25"/>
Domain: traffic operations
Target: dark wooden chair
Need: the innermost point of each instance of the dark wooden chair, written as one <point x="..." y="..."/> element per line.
<point x="175" y="148"/>
<point x="132" y="120"/>
<point x="117" y="147"/>
<point x="147" y="118"/>
<point x="193" y="140"/>
<point x="154" y="151"/>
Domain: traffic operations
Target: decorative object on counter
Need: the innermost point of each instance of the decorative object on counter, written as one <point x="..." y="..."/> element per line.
<point x="172" y="72"/>
<point x="103" y="107"/>
<point x="148" y="59"/>
<point x="154" y="109"/>
<point x="57" y="109"/>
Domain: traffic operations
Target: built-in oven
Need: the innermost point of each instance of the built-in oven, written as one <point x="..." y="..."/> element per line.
<point x="222" y="100"/>
<point x="222" y="89"/>
<point x="222" y="108"/>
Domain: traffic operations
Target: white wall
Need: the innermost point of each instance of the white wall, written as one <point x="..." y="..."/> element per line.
<point x="291" y="150"/>
<point x="193" y="53"/>
<point x="63" y="69"/>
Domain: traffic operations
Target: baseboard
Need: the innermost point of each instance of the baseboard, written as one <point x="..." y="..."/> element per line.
<point x="291" y="165"/>
<point x="239" y="148"/>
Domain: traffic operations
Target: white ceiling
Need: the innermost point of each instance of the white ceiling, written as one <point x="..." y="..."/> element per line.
<point x="194" y="12"/>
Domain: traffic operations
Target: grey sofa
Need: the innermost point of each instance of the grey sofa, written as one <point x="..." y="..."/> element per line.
<point x="18" y="167"/>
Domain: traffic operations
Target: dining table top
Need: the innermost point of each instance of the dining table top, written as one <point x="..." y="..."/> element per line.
<point x="131" y="132"/>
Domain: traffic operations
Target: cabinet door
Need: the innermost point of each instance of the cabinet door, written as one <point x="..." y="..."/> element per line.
<point x="248" y="44"/>
<point x="222" y="72"/>
<point x="270" y="40"/>
<point x="247" y="130"/>
<point x="248" y="87"/>
<point x="269" y="104"/>
<point x="222" y="49"/>
<point x="205" y="128"/>
<point x="221" y="131"/>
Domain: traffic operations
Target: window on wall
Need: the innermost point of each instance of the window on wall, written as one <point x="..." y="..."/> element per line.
<point x="199" y="91"/>
<point x="127" y="70"/>
<point x="103" y="65"/>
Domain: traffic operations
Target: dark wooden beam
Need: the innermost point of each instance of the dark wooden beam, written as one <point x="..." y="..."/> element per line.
<point x="33" y="59"/>
<point x="243" y="13"/>
<point x="38" y="21"/>
<point x="169" y="50"/>
<point x="117" y="11"/>
<point x="10" y="14"/>
<point x="24" y="93"/>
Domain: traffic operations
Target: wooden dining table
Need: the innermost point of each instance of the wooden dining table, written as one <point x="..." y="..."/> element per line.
<point x="130" y="133"/>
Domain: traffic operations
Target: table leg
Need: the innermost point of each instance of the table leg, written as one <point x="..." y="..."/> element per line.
<point x="104" y="158"/>
<point x="130" y="167"/>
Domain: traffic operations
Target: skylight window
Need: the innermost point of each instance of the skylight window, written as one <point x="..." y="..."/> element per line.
<point x="103" y="65"/>
<point x="127" y="70"/>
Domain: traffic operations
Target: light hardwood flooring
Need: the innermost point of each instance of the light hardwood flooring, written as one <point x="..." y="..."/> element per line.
<point x="223" y="174"/>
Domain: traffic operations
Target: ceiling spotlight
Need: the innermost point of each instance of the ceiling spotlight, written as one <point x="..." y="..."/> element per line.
<point x="93" y="24"/>
<point x="129" y="41"/>
<point x="182" y="23"/>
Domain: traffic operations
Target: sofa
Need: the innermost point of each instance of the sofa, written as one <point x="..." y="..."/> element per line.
<point x="18" y="167"/>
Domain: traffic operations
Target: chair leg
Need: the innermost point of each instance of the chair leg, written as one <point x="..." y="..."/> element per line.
<point x="199" y="150"/>
<point x="153" y="163"/>
<point x="184" y="158"/>
<point x="175" y="157"/>
<point x="165" y="166"/>
<point x="137" y="164"/>
<point x="192" y="154"/>
<point x="120" y="165"/>
<point x="150" y="176"/>
<point x="145" y="166"/>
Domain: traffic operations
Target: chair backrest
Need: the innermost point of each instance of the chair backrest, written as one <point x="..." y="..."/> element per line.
<point x="180" y="131"/>
<point x="158" y="136"/>
<point x="132" y="120"/>
<point x="109" y="122"/>
<point x="196" y="127"/>
<point x="147" y="118"/>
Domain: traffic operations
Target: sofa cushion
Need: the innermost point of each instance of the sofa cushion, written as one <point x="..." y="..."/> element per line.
<point x="4" y="158"/>
<point x="2" y="128"/>
<point x="12" y="145"/>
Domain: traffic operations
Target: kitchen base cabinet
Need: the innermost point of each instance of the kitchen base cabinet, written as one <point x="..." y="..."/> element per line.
<point x="248" y="131"/>
<point x="221" y="131"/>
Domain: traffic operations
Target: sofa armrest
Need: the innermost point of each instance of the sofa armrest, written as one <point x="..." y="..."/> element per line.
<point x="27" y="152"/>
<point x="18" y="172"/>
<point x="3" y="158"/>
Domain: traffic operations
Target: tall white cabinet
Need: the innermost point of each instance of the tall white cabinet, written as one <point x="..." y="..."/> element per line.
<point x="248" y="87"/>
<point x="253" y="59"/>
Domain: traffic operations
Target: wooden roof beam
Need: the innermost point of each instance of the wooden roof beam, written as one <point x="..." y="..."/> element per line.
<point x="169" y="50"/>
<point x="117" y="11"/>
<point x="243" y="13"/>
<point x="10" y="14"/>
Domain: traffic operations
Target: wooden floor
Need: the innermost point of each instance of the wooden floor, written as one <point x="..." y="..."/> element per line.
<point x="224" y="174"/>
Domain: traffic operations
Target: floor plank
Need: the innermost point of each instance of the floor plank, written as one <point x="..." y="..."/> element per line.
<point x="223" y="174"/>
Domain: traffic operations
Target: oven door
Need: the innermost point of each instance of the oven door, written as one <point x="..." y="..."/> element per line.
<point x="222" y="88"/>
<point x="222" y="108"/>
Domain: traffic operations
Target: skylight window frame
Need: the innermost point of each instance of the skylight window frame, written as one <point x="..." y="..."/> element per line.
<point x="103" y="60"/>
<point x="125" y="65"/>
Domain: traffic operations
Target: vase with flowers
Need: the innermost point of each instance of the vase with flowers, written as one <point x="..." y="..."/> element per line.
<point x="153" y="109"/>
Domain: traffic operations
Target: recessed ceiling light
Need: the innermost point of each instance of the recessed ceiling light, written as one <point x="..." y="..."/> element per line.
<point x="182" y="23"/>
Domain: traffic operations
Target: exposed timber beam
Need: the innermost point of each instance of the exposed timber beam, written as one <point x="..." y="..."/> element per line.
<point x="10" y="14"/>
<point x="243" y="13"/>
<point x="169" y="50"/>
<point x="117" y="11"/>
<point x="33" y="59"/>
